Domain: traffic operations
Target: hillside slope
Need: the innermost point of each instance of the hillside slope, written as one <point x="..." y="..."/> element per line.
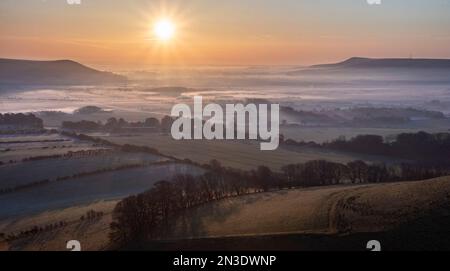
<point x="330" y="210"/>
<point x="410" y="69"/>
<point x="61" y="72"/>
<point x="411" y="63"/>
<point x="324" y="218"/>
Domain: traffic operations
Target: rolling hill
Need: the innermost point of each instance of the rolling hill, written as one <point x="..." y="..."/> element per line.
<point x="330" y="210"/>
<point x="372" y="63"/>
<point x="413" y="68"/>
<point x="408" y="215"/>
<point x="60" y="72"/>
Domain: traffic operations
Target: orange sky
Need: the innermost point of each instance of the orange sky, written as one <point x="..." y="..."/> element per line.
<point x="119" y="33"/>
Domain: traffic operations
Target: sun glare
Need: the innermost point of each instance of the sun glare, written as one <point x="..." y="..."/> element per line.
<point x="164" y="30"/>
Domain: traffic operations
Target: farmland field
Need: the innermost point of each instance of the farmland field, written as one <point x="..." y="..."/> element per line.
<point x="84" y="190"/>
<point x="18" y="147"/>
<point x="312" y="218"/>
<point x="33" y="137"/>
<point x="93" y="234"/>
<point x="12" y="175"/>
<point x="237" y="154"/>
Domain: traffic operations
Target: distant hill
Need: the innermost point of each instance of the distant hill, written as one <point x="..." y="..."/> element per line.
<point x="61" y="72"/>
<point x="367" y="63"/>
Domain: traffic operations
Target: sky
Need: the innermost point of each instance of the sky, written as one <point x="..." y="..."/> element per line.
<point x="231" y="32"/>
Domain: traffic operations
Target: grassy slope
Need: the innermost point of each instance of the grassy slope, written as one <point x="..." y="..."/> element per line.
<point x="309" y="218"/>
<point x="93" y="234"/>
<point x="325" y="210"/>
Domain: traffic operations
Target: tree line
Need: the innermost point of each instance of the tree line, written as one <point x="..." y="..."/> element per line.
<point x="118" y="125"/>
<point x="20" y="119"/>
<point x="33" y="231"/>
<point x="89" y="216"/>
<point x="420" y="146"/>
<point x="148" y="215"/>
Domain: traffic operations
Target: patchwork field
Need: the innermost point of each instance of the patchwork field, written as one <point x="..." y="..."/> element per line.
<point x="18" y="147"/>
<point x="84" y="190"/>
<point x="12" y="175"/>
<point x="237" y="154"/>
<point x="37" y="190"/>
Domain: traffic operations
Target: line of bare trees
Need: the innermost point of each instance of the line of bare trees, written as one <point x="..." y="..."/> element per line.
<point x="92" y="215"/>
<point x="119" y="125"/>
<point x="70" y="154"/>
<point x="35" y="230"/>
<point x="318" y="173"/>
<point x="89" y="216"/>
<point x="148" y="215"/>
<point x="420" y="146"/>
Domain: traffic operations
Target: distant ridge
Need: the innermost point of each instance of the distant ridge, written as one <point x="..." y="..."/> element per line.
<point x="59" y="72"/>
<point x="367" y="63"/>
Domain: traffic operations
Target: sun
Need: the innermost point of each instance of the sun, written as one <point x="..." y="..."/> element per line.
<point x="164" y="30"/>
